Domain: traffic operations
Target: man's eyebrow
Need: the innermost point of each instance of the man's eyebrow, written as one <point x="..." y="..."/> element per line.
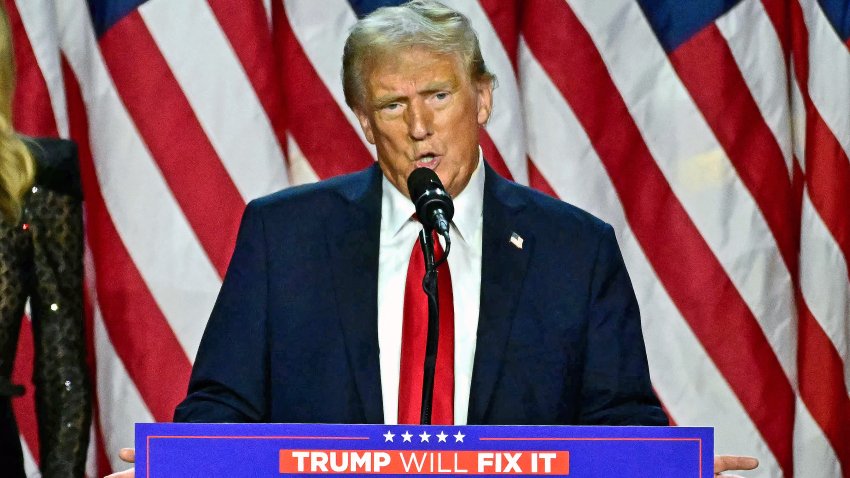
<point x="386" y="99"/>
<point x="438" y="86"/>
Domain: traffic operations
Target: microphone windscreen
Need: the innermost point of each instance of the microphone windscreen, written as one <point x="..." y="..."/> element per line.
<point x="421" y="180"/>
<point x="434" y="206"/>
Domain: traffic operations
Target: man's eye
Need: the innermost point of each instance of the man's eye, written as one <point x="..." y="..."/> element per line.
<point x="391" y="106"/>
<point x="441" y="95"/>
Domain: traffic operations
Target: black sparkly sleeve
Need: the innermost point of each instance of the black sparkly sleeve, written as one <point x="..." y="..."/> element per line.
<point x="60" y="374"/>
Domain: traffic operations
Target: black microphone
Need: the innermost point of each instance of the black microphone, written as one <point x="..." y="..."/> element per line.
<point x="433" y="204"/>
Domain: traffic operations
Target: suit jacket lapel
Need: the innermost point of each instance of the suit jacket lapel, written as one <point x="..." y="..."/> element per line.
<point x="503" y="266"/>
<point x="353" y="249"/>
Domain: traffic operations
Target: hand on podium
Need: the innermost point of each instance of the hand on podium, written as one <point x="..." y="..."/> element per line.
<point x="129" y="455"/>
<point x="733" y="463"/>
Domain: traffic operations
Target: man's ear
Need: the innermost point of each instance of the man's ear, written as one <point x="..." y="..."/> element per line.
<point x="365" y="125"/>
<point x="485" y="100"/>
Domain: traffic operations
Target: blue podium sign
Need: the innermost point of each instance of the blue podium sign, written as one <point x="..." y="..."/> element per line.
<point x="274" y="450"/>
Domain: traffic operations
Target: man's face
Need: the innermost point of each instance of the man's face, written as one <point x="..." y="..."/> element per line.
<point x="422" y="109"/>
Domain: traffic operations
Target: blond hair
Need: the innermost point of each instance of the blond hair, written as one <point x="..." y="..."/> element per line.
<point x="419" y="23"/>
<point x="17" y="166"/>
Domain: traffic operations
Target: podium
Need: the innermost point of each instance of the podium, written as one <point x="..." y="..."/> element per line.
<point x="276" y="450"/>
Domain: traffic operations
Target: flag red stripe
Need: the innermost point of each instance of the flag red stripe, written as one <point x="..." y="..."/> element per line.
<point x="152" y="355"/>
<point x="745" y="357"/>
<point x="778" y="12"/>
<point x="101" y="456"/>
<point x="32" y="111"/>
<point x="313" y="116"/>
<point x="537" y="181"/>
<point x="24" y="406"/>
<point x="247" y="28"/>
<point x="822" y="384"/>
<point x="707" y="68"/>
<point x="491" y="153"/>
<point x="176" y="140"/>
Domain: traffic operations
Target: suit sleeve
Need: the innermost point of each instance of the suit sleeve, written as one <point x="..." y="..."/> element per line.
<point x="229" y="377"/>
<point x="616" y="386"/>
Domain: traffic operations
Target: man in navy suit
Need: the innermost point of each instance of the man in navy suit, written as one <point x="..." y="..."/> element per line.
<point x="308" y="322"/>
<point x="297" y="333"/>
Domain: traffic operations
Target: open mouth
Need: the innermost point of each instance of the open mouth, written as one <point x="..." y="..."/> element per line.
<point x="429" y="161"/>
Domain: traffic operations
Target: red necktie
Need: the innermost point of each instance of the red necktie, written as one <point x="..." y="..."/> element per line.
<point x="413" y="337"/>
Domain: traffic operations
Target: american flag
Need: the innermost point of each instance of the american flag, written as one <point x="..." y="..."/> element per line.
<point x="713" y="135"/>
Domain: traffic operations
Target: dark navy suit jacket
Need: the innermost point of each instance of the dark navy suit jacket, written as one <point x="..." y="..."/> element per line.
<point x="293" y="336"/>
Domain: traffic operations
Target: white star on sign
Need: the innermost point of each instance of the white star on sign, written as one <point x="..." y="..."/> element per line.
<point x="388" y="436"/>
<point x="424" y="437"/>
<point x="406" y="435"/>
<point x="441" y="437"/>
<point x="459" y="437"/>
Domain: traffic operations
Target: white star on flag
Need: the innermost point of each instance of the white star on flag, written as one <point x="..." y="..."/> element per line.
<point x="459" y="437"/>
<point x="441" y="437"/>
<point x="424" y="436"/>
<point x="388" y="436"/>
<point x="406" y="435"/>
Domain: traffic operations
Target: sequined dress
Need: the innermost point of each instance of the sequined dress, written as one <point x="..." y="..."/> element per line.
<point x="41" y="260"/>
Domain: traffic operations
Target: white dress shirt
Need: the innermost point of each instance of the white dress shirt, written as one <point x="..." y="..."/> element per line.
<point x="398" y="234"/>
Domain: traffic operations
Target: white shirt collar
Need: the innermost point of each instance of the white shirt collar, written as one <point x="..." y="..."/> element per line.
<point x="469" y="205"/>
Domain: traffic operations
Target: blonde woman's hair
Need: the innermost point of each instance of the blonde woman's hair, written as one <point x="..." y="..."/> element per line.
<point x="17" y="166"/>
<point x="418" y="23"/>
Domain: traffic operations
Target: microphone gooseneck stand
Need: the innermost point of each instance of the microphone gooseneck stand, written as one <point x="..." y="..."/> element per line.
<point x="434" y="210"/>
<point x="430" y="286"/>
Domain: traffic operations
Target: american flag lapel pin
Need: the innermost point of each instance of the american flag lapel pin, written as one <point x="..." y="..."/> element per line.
<point x="516" y="240"/>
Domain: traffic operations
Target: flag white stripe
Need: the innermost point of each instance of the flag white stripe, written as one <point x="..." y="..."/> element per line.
<point x="798" y="119"/>
<point x="204" y="63"/>
<point x="300" y="170"/>
<point x="30" y="466"/>
<point x="267" y="5"/>
<point x="91" y="452"/>
<point x="696" y="167"/>
<point x="39" y="21"/>
<point x="151" y="225"/>
<point x="757" y="51"/>
<point x="813" y="455"/>
<point x="584" y="182"/>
